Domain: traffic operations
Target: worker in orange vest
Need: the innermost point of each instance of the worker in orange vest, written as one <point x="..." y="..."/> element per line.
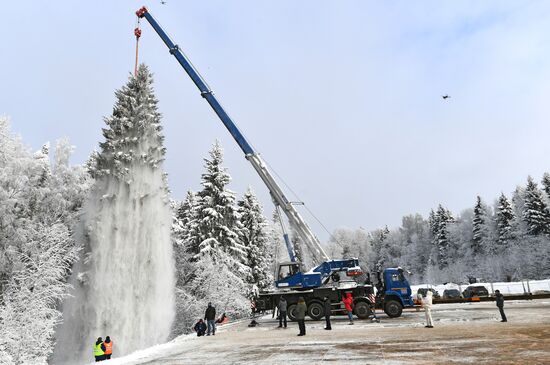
<point x="108" y="347"/>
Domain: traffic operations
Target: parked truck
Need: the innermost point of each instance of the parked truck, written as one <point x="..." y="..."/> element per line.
<point x="391" y="294"/>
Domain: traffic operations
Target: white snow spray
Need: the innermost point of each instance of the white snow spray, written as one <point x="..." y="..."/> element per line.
<point x="124" y="283"/>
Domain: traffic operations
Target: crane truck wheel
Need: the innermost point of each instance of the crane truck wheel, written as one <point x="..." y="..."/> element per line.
<point x="316" y="311"/>
<point x="291" y="312"/>
<point x="393" y="308"/>
<point x="362" y="310"/>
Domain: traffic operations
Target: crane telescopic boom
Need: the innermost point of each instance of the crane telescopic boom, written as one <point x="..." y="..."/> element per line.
<point x="279" y="198"/>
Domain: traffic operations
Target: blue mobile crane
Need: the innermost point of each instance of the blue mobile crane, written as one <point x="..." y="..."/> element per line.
<point x="291" y="278"/>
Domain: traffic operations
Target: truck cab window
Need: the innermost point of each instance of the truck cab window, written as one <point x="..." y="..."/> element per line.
<point x="288" y="270"/>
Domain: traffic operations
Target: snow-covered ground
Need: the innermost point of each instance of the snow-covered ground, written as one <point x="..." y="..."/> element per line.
<point x="463" y="333"/>
<point x="505" y="288"/>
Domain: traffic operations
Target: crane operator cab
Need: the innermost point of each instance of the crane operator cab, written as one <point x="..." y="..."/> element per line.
<point x="291" y="275"/>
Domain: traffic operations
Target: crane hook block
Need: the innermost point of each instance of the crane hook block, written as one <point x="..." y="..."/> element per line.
<point x="137" y="32"/>
<point x="141" y="12"/>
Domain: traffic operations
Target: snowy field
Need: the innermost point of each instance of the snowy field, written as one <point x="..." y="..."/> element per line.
<point x="518" y="287"/>
<point x="467" y="333"/>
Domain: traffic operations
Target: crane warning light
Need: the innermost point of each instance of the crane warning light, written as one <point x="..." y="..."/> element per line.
<point x="354" y="271"/>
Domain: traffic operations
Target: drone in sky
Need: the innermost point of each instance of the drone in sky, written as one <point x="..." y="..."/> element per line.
<point x="445" y="97"/>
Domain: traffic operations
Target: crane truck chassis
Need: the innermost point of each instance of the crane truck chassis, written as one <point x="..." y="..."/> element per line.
<point x="392" y="295"/>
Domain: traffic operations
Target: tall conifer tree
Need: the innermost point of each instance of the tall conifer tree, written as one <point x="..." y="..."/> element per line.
<point x="218" y="222"/>
<point x="479" y="227"/>
<point x="504" y="217"/>
<point x="255" y="238"/>
<point x="443" y="218"/>
<point x="535" y="214"/>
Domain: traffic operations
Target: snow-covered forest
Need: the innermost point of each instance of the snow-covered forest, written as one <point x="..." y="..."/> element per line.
<point x="221" y="244"/>
<point x="40" y="200"/>
<point x="503" y="241"/>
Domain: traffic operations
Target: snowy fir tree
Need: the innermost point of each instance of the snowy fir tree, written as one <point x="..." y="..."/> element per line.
<point x="276" y="238"/>
<point x="480" y="237"/>
<point x="218" y="222"/>
<point x="504" y="217"/>
<point x="546" y="186"/>
<point x="443" y="218"/>
<point x="226" y="249"/>
<point x="187" y="216"/>
<point x="535" y="213"/>
<point x="127" y="269"/>
<point x="255" y="238"/>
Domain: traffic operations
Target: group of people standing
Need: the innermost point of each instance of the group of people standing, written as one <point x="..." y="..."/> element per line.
<point x="427" y="302"/>
<point x="208" y="328"/>
<point x="103" y="349"/>
<point x="301" y="310"/>
<point x="347" y="300"/>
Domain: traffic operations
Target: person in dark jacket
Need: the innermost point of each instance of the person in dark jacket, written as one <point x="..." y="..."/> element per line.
<point x="328" y="312"/>
<point x="210" y="317"/>
<point x="200" y="327"/>
<point x="300" y="313"/>
<point x="500" y="305"/>
<point x="99" y="350"/>
<point x="282" y="311"/>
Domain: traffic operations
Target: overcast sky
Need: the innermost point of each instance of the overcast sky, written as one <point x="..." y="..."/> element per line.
<point x="342" y="98"/>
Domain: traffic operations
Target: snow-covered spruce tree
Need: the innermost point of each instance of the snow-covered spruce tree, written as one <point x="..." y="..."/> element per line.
<point x="218" y="224"/>
<point x="124" y="282"/>
<point x="546" y="188"/>
<point x="183" y="214"/>
<point x="443" y="217"/>
<point x="183" y="239"/>
<point x="504" y="218"/>
<point x="187" y="216"/>
<point x="302" y="255"/>
<point x="518" y="206"/>
<point x="255" y="238"/>
<point x="218" y="272"/>
<point x="535" y="212"/>
<point x="276" y="239"/>
<point x="481" y="242"/>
